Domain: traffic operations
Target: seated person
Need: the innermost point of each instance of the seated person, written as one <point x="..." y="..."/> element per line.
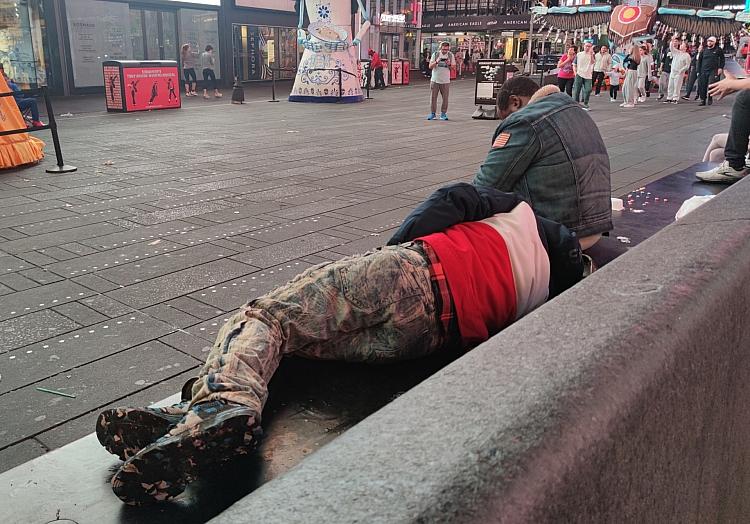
<point x="734" y="167"/>
<point x="22" y="101"/>
<point x="465" y="264"/>
<point x="549" y="151"/>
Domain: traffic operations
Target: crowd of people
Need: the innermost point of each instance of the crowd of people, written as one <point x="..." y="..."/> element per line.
<point x="643" y="69"/>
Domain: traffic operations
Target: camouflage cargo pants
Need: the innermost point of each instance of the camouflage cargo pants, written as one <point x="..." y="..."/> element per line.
<point x="377" y="307"/>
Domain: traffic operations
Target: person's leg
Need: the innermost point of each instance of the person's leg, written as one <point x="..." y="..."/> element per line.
<point x="435" y="89"/>
<point x="663" y="84"/>
<point x="678" y="86"/>
<point x="561" y="83"/>
<point x="718" y="143"/>
<point x="671" y="85"/>
<point x="597" y="83"/>
<point x="692" y="78"/>
<point x="205" y="83"/>
<point x="577" y="83"/>
<point x="739" y="131"/>
<point x="379" y="307"/>
<point x="703" y="87"/>
<point x="29" y="103"/>
<point x="586" y="91"/>
<point x="569" y="86"/>
<point x="642" y="89"/>
<point x="195" y="80"/>
<point x="444" y="92"/>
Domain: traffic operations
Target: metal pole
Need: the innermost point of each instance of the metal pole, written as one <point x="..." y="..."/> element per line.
<point x="368" y="78"/>
<point x="60" y="167"/>
<point x="531" y="35"/>
<point x="341" y="94"/>
<point x="273" y="86"/>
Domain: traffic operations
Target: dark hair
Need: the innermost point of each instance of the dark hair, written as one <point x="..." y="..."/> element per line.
<point x="209" y="47"/>
<point x="355" y="6"/>
<point x="518" y="86"/>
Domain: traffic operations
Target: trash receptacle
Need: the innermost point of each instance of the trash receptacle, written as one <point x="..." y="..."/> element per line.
<point x="133" y="85"/>
<point x="400" y="72"/>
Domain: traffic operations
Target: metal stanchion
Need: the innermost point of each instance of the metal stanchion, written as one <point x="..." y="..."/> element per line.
<point x="368" y="80"/>
<point x="61" y="167"/>
<point x="341" y="84"/>
<point x="273" y="86"/>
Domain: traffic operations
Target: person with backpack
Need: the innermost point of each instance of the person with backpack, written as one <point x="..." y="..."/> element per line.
<point x="441" y="64"/>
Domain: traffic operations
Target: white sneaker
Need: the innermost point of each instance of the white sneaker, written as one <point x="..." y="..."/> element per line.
<point x="628" y="105"/>
<point x="723" y="173"/>
<point x="612" y="100"/>
<point x="641" y="99"/>
<point x="623" y="104"/>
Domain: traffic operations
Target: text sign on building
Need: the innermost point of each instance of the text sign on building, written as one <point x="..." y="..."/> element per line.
<point x="393" y="19"/>
<point x="489" y="79"/>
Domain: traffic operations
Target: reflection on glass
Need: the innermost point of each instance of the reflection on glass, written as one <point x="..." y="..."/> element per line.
<point x="21" y="42"/>
<point x="199" y="29"/>
<point x="169" y="35"/>
<point x="260" y="49"/>
<point x="136" y="35"/>
<point x="153" y="47"/>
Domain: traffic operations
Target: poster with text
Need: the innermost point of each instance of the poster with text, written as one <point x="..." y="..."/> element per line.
<point x="278" y="5"/>
<point x="149" y="88"/>
<point x="98" y="31"/>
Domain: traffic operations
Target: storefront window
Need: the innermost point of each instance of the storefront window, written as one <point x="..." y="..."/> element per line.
<point x="260" y="49"/>
<point x="199" y="29"/>
<point x="22" y="34"/>
<point x="98" y="31"/>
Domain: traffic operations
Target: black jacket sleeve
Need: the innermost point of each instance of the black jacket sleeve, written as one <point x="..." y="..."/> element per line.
<point x="452" y="205"/>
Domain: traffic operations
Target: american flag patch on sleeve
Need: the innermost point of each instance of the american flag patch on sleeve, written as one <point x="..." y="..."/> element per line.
<point x="501" y="140"/>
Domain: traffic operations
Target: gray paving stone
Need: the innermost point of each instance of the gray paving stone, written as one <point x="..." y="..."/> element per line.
<point x="78" y="249"/>
<point x="168" y="215"/>
<point x="11" y="234"/>
<point x="140" y="234"/>
<point x="37" y="258"/>
<point x="63" y="193"/>
<point x="296" y="228"/>
<point x="9" y="264"/>
<point x="83" y="425"/>
<point x="171" y="315"/>
<point x="58" y="253"/>
<point x="240" y="210"/>
<point x="107" y="306"/>
<point x="383" y="221"/>
<point x="94" y="385"/>
<point x="159" y="265"/>
<point x="40" y="297"/>
<point x="96" y="283"/>
<point x="59" y="237"/>
<point x="5" y="290"/>
<point x="60" y="224"/>
<point x="27" y="329"/>
<point x="24" y="451"/>
<point x="208" y="234"/>
<point x="39" y="216"/>
<point x="192" y="345"/>
<point x="375" y="207"/>
<point x="179" y="283"/>
<point x="77" y="312"/>
<point x="61" y="354"/>
<point x="17" y="282"/>
<point x="41" y="276"/>
<point x="15" y="201"/>
<point x="284" y="251"/>
<point x="195" y="308"/>
<point x="229" y="296"/>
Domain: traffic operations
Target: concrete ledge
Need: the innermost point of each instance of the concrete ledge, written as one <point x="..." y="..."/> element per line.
<point x="625" y="399"/>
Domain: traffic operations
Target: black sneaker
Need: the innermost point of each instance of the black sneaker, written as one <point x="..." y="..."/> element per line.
<point x="125" y="431"/>
<point x="710" y="100"/>
<point x="696" y="98"/>
<point x="210" y="434"/>
<point x="703" y="103"/>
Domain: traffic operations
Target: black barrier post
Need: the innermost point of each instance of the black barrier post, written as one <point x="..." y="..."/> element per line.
<point x="368" y="76"/>
<point x="341" y="94"/>
<point x="60" y="167"/>
<point x="273" y="86"/>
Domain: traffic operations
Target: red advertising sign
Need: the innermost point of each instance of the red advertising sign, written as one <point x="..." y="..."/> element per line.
<point x="151" y="88"/>
<point x="113" y="87"/>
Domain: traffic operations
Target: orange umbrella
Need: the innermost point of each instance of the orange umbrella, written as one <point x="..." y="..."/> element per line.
<point x="22" y="148"/>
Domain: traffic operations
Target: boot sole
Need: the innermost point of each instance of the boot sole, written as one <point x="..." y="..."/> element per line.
<point x="125" y="431"/>
<point x="162" y="470"/>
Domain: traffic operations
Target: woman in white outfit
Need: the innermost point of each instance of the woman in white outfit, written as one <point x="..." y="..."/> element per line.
<point x="329" y="52"/>
<point x="630" y="86"/>
<point x="680" y="64"/>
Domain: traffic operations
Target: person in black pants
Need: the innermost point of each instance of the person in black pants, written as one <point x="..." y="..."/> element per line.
<point x="710" y="68"/>
<point x="735" y="166"/>
<point x="692" y="73"/>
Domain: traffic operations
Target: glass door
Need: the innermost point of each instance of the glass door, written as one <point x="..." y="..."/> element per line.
<point x="154" y="34"/>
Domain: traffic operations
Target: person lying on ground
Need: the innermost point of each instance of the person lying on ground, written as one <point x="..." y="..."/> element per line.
<point x="734" y="167"/>
<point x="549" y="151"/>
<point x="465" y="264"/>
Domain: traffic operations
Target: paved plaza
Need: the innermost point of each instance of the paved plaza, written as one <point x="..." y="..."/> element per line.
<point x="115" y="279"/>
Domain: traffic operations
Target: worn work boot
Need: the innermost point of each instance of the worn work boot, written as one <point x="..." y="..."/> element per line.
<point x="125" y="431"/>
<point x="723" y="173"/>
<point x="210" y="434"/>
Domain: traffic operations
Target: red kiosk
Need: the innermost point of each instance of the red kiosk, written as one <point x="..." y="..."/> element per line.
<point x="132" y="85"/>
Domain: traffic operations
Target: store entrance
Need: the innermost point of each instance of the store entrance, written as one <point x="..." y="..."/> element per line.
<point x="154" y="34"/>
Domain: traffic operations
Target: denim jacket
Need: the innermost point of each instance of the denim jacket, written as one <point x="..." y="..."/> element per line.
<point x="552" y="155"/>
